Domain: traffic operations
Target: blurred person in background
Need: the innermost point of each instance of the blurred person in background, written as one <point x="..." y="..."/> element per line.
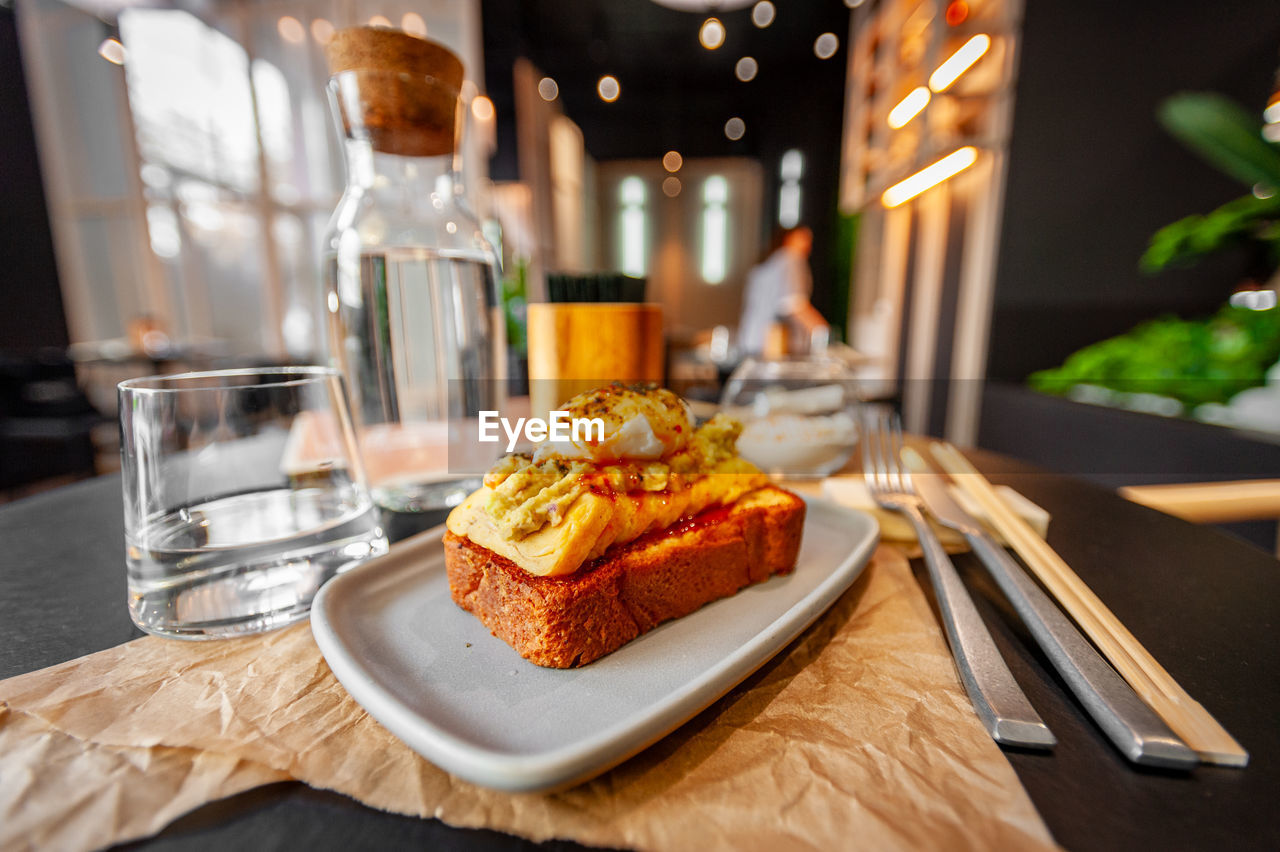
<point x="777" y="298"/>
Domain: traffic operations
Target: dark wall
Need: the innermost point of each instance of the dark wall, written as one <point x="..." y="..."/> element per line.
<point x="31" y="316"/>
<point x="1092" y="175"/>
<point x="675" y="95"/>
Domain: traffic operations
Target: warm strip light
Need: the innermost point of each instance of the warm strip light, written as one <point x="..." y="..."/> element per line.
<point x="930" y="176"/>
<point x="958" y="63"/>
<point x="909" y="107"/>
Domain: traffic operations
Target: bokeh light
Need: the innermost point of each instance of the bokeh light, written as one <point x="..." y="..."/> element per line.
<point x="112" y="50"/>
<point x="711" y="33"/>
<point x="482" y="108"/>
<point x="762" y="13"/>
<point x="291" y="30"/>
<point x="413" y="24"/>
<point x="826" y="45"/>
<point x="608" y="88"/>
<point x="322" y="31"/>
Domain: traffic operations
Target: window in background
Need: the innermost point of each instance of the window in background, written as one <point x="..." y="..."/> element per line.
<point x="193" y="184"/>
<point x="715" y="229"/>
<point x="632" y="222"/>
<point x="790" y="170"/>
<point x="216" y="138"/>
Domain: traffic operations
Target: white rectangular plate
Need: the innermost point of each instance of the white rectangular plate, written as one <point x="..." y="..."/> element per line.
<point x="434" y="676"/>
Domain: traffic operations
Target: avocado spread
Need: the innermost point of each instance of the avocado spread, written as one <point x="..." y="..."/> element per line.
<point x="527" y="495"/>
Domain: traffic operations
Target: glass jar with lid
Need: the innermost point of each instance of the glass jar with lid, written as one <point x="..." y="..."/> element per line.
<point x="414" y="317"/>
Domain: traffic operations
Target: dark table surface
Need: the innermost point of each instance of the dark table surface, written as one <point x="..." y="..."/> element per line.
<point x="1205" y="604"/>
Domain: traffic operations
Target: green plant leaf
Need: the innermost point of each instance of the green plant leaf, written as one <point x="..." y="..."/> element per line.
<point x="1193" y="361"/>
<point x="1224" y="134"/>
<point x="1195" y="236"/>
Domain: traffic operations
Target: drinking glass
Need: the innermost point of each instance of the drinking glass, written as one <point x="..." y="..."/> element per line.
<point x="243" y="493"/>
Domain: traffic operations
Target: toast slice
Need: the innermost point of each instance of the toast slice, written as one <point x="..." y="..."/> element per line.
<point x="571" y="620"/>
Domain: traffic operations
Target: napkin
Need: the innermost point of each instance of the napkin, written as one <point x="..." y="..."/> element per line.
<point x="859" y="729"/>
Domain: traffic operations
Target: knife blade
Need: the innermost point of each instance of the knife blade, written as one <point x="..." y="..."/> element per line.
<point x="1134" y="728"/>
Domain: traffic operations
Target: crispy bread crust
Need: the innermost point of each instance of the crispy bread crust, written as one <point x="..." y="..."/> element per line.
<point x="568" y="621"/>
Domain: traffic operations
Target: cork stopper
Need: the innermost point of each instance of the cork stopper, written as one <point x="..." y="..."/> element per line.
<point x="407" y="86"/>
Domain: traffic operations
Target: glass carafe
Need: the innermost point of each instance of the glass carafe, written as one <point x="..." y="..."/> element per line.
<point x="413" y="312"/>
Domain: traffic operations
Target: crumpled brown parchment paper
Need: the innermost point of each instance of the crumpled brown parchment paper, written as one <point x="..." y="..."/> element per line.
<point x="859" y="732"/>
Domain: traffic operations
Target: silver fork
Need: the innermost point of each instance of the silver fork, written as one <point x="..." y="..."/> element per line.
<point x="1134" y="727"/>
<point x="1000" y="703"/>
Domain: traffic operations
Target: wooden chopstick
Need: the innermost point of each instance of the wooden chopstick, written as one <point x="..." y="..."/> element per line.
<point x="1135" y="664"/>
<point x="1211" y="502"/>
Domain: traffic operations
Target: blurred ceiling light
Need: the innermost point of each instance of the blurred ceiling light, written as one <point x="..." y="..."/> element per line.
<point x="291" y="30"/>
<point x="548" y="88"/>
<point x="413" y="24"/>
<point x="791" y="166"/>
<point x="322" y="31"/>
<point x="746" y="69"/>
<point x="853" y="4"/>
<point x="672" y="161"/>
<point x="826" y="45"/>
<point x="957" y="13"/>
<point x="930" y="176"/>
<point x="112" y="50"/>
<point x="608" y="88"/>
<point x="958" y="63"/>
<point x="380" y="21"/>
<point x="671" y="186"/>
<point x="703" y="6"/>
<point x="909" y="107"/>
<point x="762" y="14"/>
<point x="711" y="33"/>
<point x="482" y="108"/>
<point x="734" y="128"/>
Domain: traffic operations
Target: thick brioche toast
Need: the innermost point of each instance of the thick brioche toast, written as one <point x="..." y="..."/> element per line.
<point x="570" y="620"/>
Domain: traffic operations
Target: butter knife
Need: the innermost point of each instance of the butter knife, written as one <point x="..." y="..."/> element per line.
<point x="1128" y="722"/>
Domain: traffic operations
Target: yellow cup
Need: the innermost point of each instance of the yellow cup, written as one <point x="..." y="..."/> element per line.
<point x="577" y="346"/>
